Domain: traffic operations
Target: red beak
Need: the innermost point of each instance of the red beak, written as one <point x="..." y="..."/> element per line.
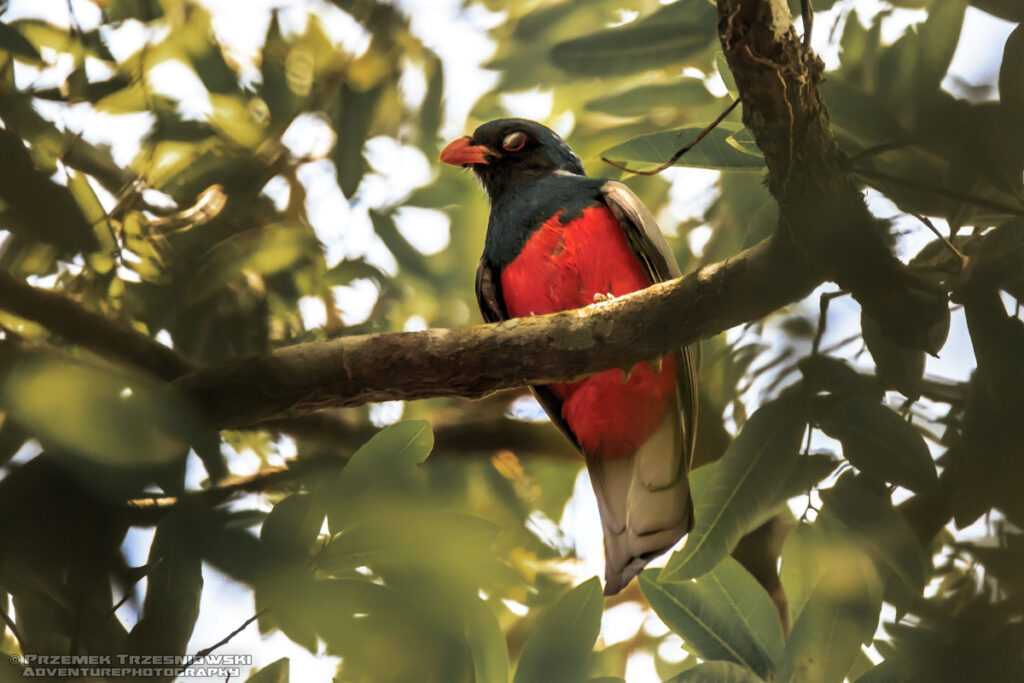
<point x="462" y="152"/>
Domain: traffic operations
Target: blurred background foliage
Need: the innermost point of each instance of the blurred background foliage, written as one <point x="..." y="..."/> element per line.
<point x="215" y="236"/>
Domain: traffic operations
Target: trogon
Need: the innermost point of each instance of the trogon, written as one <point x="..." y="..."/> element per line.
<point x="559" y="240"/>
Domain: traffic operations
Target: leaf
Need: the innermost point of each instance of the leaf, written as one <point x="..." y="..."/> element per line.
<point x="859" y="113"/>
<point x="835" y="376"/>
<point x="1011" y="76"/>
<point x="174" y="586"/>
<point x="486" y="643"/>
<point x="909" y="72"/>
<point x="726" y="614"/>
<point x="275" y="672"/>
<point x="36" y="207"/>
<point x="399" y="446"/>
<point x="559" y="649"/>
<point x="898" y="366"/>
<point x="883" y="533"/>
<point x="13" y="42"/>
<point x="717" y="672"/>
<point x="266" y="250"/>
<point x="839" y="603"/>
<point x="733" y="494"/>
<point x="352" y="117"/>
<point x="376" y="468"/>
<point x="877" y="441"/>
<point x="291" y="528"/>
<point x="109" y="414"/>
<point x="670" y="35"/>
<point x="1011" y="10"/>
<point x="722" y="65"/>
<point x="102" y="260"/>
<point x="714" y="151"/>
<point x="640" y="100"/>
<point x="407" y="255"/>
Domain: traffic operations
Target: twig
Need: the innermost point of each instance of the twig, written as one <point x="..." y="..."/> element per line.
<point x="942" y="238"/>
<point x="678" y="155"/>
<point x="875" y="150"/>
<point x="807" y="13"/>
<point x="69" y="319"/>
<point x="223" y="641"/>
<point x="823" y="303"/>
<point x="13" y="629"/>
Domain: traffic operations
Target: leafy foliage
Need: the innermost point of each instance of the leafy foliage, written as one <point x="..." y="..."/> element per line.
<point x="435" y="549"/>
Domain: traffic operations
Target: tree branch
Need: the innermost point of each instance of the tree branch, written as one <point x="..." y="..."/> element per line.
<point x="475" y="361"/>
<point x="821" y="207"/>
<point x="67" y="318"/>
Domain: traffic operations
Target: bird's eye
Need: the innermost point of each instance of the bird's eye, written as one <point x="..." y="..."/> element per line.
<point x="514" y="142"/>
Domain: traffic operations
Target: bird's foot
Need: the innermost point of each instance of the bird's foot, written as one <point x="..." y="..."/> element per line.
<point x="600" y="298"/>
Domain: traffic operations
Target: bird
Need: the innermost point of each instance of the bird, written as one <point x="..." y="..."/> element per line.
<point x="558" y="240"/>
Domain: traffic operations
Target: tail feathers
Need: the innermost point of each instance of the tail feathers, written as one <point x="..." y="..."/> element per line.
<point x="644" y="501"/>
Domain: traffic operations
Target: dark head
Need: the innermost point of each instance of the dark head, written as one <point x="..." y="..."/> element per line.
<point x="505" y="152"/>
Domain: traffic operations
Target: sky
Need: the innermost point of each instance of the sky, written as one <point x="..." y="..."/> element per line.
<point x="458" y="36"/>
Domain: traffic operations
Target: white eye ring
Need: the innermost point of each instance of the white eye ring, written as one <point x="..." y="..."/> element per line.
<point x="514" y="142"/>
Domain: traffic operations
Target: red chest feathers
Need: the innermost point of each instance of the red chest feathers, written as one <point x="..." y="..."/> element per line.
<point x="563" y="267"/>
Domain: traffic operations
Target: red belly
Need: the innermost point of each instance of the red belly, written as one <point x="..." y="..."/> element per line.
<point x="562" y="267"/>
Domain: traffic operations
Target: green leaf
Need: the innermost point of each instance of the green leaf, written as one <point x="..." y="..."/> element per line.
<point x="860" y="114"/>
<point x="291" y="528"/>
<point x="12" y="41"/>
<point x="717" y="672"/>
<point x="909" y="72"/>
<point x="174" y="585"/>
<point x="671" y="35"/>
<point x="883" y="533"/>
<point x="377" y="467"/>
<point x="716" y="150"/>
<point x="722" y="65"/>
<point x="352" y="117"/>
<point x="107" y="413"/>
<point x="877" y="441"/>
<point x="1011" y="10"/>
<point x="839" y="600"/>
<point x="1011" y="76"/>
<point x="898" y="367"/>
<point x="726" y="614"/>
<point x="835" y="376"/>
<point x="486" y="643"/>
<point x="640" y="100"/>
<point x="275" y="672"/>
<point x="408" y="257"/>
<point x="399" y="446"/>
<point x="266" y="250"/>
<point x="560" y="647"/>
<point x="734" y="494"/>
<point x="102" y="260"/>
<point x="37" y="208"/>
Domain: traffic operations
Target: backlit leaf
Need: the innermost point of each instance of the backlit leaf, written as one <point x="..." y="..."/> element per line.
<point x="876" y="440"/>
<point x="560" y="647"/>
<point x="715" y="150"/>
<point x="733" y="494"/>
<point x="670" y="35"/>
<point x="724" y="615"/>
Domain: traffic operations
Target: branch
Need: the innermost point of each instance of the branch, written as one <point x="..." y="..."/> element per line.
<point x="475" y="361"/>
<point x="821" y="207"/>
<point x="69" y="319"/>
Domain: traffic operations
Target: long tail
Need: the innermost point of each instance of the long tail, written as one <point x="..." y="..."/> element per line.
<point x="644" y="501"/>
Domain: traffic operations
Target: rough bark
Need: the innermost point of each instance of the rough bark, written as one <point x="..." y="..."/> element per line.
<point x="477" y="360"/>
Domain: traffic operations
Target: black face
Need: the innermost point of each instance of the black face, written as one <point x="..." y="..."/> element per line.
<point x="518" y="149"/>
